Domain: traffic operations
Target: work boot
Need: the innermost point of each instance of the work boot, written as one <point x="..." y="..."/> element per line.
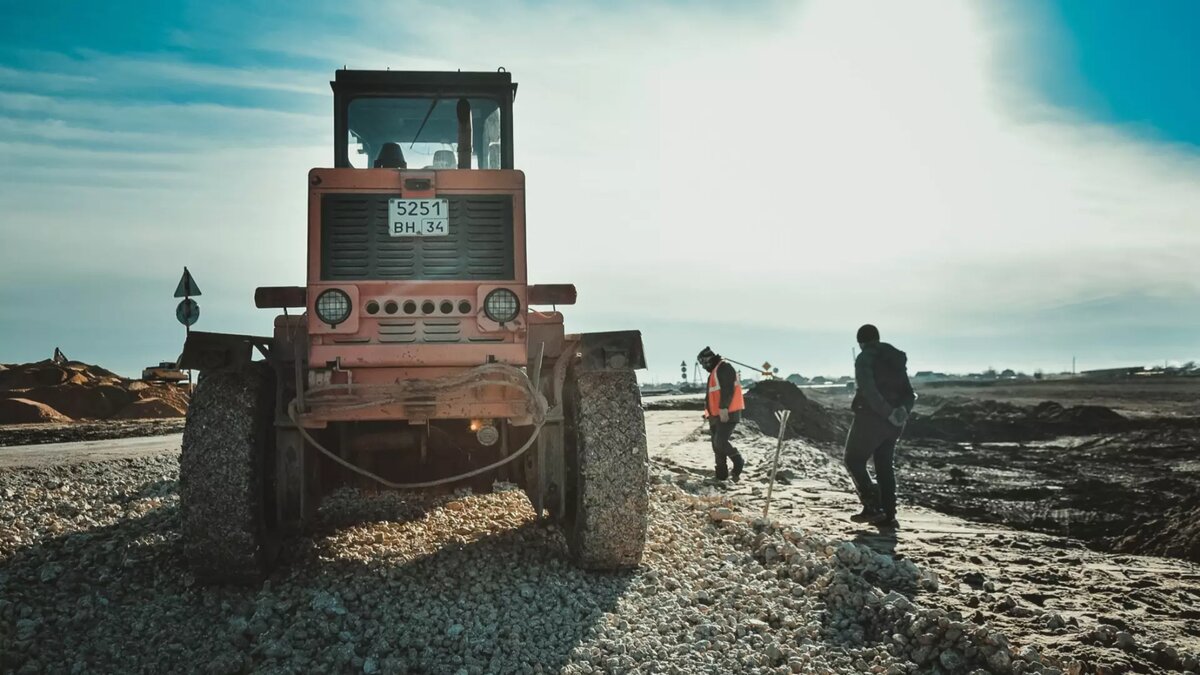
<point x="888" y="522"/>
<point x="722" y="471"/>
<point x="738" y="463"/>
<point x="869" y="515"/>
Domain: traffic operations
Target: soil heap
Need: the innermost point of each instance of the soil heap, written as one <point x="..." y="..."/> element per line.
<point x="46" y="392"/>
<point x="997" y="421"/>
<point x="1176" y="533"/>
<point x="809" y="419"/>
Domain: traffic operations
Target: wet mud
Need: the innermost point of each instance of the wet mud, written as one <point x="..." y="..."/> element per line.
<point x="1126" y="481"/>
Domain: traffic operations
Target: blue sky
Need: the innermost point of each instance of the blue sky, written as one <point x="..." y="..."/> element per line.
<point x="994" y="184"/>
<point x="1125" y="63"/>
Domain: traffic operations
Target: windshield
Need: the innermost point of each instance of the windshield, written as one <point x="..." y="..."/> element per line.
<point x="421" y="132"/>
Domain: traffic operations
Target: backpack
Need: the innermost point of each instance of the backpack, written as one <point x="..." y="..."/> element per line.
<point x="891" y="375"/>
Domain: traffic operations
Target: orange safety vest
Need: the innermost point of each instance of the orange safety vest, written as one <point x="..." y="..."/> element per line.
<point x="713" y="407"/>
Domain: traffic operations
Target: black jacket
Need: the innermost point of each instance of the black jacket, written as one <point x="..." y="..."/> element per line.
<point x="881" y="380"/>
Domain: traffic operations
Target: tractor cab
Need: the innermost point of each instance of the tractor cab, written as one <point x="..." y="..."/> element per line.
<point x="430" y="121"/>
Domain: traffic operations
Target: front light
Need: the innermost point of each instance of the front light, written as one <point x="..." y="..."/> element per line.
<point x="501" y="305"/>
<point x="333" y="306"/>
<point x="487" y="435"/>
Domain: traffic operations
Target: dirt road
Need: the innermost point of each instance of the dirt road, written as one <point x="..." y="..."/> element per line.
<point x="1048" y="592"/>
<point x="50" y="454"/>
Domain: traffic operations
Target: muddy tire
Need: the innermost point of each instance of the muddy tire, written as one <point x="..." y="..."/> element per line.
<point x="608" y="470"/>
<point x="222" y="478"/>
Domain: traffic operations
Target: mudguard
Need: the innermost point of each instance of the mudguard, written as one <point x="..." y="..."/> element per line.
<point x="211" y="351"/>
<point x="612" y="350"/>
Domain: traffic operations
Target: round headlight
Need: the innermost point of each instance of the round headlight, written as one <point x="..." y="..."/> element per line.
<point x="501" y="305"/>
<point x="333" y="306"/>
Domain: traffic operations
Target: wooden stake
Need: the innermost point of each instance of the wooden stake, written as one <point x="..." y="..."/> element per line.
<point x="782" y="416"/>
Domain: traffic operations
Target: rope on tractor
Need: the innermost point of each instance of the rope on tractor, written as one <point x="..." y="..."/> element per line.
<point x="492" y="374"/>
<point x="473" y="379"/>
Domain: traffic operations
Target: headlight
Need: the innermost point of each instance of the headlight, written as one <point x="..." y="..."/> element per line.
<point x="501" y="305"/>
<point x="333" y="306"/>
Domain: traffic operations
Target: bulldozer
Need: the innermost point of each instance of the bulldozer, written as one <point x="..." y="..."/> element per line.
<point x="417" y="356"/>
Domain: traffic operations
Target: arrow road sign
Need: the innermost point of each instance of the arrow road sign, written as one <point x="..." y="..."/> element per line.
<point x="187" y="286"/>
<point x="187" y="311"/>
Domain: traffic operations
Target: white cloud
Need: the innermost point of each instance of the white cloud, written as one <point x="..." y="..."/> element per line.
<point x="875" y="149"/>
<point x="805" y="165"/>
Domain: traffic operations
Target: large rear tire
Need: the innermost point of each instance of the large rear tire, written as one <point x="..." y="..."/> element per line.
<point x="608" y="470"/>
<point x="228" y="536"/>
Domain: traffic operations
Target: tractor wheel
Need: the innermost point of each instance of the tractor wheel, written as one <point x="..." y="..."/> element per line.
<point x="607" y="470"/>
<point x="228" y="536"/>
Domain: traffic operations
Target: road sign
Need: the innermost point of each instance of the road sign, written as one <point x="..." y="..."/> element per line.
<point x="187" y="311"/>
<point x="187" y="286"/>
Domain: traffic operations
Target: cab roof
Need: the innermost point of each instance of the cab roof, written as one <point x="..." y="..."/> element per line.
<point x="497" y="84"/>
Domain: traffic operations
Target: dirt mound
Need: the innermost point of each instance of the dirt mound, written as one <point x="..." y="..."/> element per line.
<point x="148" y="408"/>
<point x="77" y="390"/>
<point x="686" y="404"/>
<point x="1175" y="534"/>
<point x="809" y="419"/>
<point x="79" y="401"/>
<point x="24" y="411"/>
<point x="996" y="421"/>
<point x="48" y="374"/>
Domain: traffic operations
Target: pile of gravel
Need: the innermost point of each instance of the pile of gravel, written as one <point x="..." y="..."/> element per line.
<point x="92" y="579"/>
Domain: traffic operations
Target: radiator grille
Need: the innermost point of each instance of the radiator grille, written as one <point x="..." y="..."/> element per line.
<point x="395" y="331"/>
<point x="355" y="243"/>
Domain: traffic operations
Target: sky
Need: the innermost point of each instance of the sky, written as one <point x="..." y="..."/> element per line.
<point x="993" y="184"/>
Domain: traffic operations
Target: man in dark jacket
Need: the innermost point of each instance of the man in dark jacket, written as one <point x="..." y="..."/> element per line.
<point x="723" y="407"/>
<point x="883" y="399"/>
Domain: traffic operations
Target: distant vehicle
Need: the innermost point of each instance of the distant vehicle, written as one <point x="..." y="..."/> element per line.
<point x="165" y="371"/>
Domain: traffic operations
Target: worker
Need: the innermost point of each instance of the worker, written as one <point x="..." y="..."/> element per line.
<point x="883" y="399"/>
<point x="723" y="408"/>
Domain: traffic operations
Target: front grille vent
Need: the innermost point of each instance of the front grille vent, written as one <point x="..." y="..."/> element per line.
<point x="420" y="330"/>
<point x="356" y="245"/>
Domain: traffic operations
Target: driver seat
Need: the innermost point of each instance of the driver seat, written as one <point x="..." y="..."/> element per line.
<point x="390" y="157"/>
<point x="445" y="159"/>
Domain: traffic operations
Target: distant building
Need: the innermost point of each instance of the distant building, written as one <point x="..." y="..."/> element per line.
<point x="1113" y="372"/>
<point x="929" y="376"/>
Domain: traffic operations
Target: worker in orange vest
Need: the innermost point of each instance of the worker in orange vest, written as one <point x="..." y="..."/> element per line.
<point x="723" y="408"/>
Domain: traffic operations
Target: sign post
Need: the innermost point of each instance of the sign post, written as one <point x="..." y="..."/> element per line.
<point x="187" y="312"/>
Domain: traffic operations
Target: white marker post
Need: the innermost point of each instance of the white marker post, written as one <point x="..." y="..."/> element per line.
<point x="782" y="416"/>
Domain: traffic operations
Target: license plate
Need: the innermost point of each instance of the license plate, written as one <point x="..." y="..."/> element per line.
<point x="418" y="217"/>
